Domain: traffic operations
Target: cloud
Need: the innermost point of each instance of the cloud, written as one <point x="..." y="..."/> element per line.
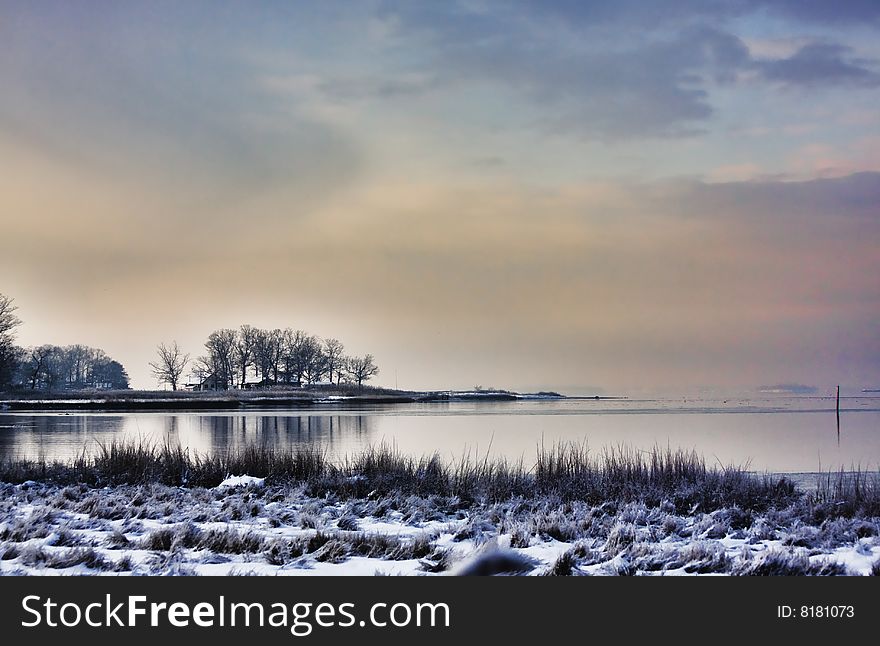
<point x="823" y="160"/>
<point x="735" y="172"/>
<point x="824" y="199"/>
<point x="141" y="100"/>
<point x="635" y="14"/>
<point x="840" y="12"/>
<point x="607" y="71"/>
<point x="346" y="90"/>
<point x="663" y="12"/>
<point x="652" y="88"/>
<point x="818" y="64"/>
<point x="613" y="71"/>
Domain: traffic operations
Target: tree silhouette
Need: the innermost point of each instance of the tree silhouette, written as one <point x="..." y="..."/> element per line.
<point x="9" y="354"/>
<point x="361" y="369"/>
<point x="170" y="365"/>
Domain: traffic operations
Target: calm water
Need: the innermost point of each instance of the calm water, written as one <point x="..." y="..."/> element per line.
<point x="791" y="434"/>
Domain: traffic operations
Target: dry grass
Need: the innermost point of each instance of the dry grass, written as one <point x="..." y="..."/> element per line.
<point x="678" y="480"/>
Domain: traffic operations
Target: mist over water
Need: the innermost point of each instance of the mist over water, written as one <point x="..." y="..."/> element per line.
<point x="769" y="432"/>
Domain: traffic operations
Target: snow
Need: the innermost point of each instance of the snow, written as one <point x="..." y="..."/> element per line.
<point x="858" y="558"/>
<point x="241" y="481"/>
<point x="244" y="526"/>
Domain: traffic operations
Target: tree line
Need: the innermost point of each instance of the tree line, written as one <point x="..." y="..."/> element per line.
<point x="234" y="358"/>
<point x="51" y="367"/>
<point x="250" y="356"/>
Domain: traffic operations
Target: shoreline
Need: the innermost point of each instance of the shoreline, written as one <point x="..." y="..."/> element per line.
<point x="238" y="399"/>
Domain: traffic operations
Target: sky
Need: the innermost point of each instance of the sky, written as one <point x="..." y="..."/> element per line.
<point x="591" y="197"/>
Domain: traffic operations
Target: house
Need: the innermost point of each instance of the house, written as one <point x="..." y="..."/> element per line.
<point x="211" y="382"/>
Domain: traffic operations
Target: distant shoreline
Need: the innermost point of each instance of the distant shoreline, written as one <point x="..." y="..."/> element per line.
<point x="238" y="399"/>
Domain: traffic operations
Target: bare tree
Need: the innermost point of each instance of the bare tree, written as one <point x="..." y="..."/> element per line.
<point x="77" y="358"/>
<point x="263" y="350"/>
<point x="9" y="354"/>
<point x="310" y="359"/>
<point x="268" y="352"/>
<point x="170" y="365"/>
<point x="35" y="368"/>
<point x="276" y="352"/>
<point x="201" y="368"/>
<point x="361" y="369"/>
<point x="333" y="357"/>
<point x="54" y="369"/>
<point x="291" y="355"/>
<point x="11" y="359"/>
<point x="8" y="319"/>
<point x="221" y="353"/>
<point x="245" y="341"/>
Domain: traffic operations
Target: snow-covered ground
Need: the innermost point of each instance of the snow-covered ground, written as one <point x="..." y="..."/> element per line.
<point x="246" y="527"/>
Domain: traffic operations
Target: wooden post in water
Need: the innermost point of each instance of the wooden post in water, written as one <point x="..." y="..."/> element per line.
<point x="838" y="414"/>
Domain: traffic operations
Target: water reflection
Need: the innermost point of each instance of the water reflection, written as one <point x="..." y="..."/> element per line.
<point x="782" y="434"/>
<point x="278" y="431"/>
<point x="63" y="436"/>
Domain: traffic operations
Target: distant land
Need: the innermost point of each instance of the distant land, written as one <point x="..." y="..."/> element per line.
<point x="272" y="397"/>
<point x="790" y="389"/>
